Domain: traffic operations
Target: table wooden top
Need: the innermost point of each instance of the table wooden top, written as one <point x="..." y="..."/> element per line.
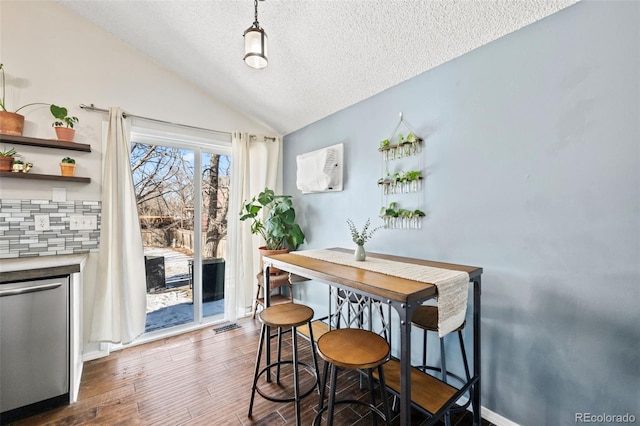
<point x="374" y="283"/>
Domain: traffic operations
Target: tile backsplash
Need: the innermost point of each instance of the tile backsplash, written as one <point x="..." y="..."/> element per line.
<point x="19" y="238"/>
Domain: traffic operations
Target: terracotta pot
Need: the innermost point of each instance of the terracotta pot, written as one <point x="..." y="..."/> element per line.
<point x="11" y="123"/>
<point x="67" y="169"/>
<point x="6" y="163"/>
<point x="65" y="133"/>
<point x="265" y="252"/>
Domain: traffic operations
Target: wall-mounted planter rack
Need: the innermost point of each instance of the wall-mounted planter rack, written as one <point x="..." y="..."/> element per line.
<point x="400" y="150"/>
<point x="399" y="185"/>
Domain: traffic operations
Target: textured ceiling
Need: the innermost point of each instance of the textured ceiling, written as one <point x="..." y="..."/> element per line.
<point x="324" y="55"/>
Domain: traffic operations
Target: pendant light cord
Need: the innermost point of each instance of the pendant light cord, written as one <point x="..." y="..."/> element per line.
<point x="255" y="5"/>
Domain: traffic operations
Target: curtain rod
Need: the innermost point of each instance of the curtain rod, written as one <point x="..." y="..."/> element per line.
<point x="126" y="114"/>
<point x="266" y="138"/>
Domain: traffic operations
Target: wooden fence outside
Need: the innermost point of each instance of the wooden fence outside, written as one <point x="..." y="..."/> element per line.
<point x="182" y="238"/>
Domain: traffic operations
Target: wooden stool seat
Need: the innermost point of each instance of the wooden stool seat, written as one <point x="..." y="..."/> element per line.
<point x="353" y="348"/>
<point x="285" y="316"/>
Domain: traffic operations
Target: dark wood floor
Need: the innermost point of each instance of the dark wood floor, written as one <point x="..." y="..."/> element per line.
<point x="197" y="378"/>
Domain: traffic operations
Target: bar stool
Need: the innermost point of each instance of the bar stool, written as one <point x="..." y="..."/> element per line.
<point x="426" y="318"/>
<point x="276" y="282"/>
<point x="283" y="317"/>
<point x="353" y="348"/>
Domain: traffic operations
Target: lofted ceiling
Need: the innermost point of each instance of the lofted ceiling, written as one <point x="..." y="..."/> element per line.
<point x="324" y="55"/>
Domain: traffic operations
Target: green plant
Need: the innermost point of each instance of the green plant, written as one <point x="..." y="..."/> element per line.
<point x="68" y="160"/>
<point x="9" y="153"/>
<point x="18" y="162"/>
<point x="3" y="104"/>
<point x="391" y="211"/>
<point x="276" y="224"/>
<point x="62" y="119"/>
<point x="385" y="143"/>
<point x="411" y="175"/>
<point x="361" y="237"/>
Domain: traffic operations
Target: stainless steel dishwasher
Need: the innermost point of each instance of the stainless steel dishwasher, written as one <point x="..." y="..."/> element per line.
<point x="34" y="346"/>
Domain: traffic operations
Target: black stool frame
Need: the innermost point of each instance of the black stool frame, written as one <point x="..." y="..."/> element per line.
<point x="297" y="396"/>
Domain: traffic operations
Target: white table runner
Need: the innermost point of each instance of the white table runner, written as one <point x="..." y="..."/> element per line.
<point x="452" y="285"/>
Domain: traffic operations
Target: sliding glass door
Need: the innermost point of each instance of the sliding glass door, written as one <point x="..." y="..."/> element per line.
<point x="216" y="187"/>
<point x="182" y="191"/>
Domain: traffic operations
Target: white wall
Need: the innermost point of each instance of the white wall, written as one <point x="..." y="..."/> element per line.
<point x="533" y="173"/>
<point x="52" y="55"/>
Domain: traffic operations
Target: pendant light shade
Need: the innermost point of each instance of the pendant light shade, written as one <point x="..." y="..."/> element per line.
<point x="255" y="44"/>
<point x="255" y="48"/>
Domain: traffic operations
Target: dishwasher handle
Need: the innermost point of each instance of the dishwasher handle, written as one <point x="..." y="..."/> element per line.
<point x="28" y="289"/>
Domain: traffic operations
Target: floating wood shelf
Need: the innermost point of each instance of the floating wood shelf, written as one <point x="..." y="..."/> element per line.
<point x="35" y="176"/>
<point x="44" y="143"/>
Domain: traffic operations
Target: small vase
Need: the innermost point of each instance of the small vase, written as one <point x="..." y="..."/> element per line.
<point x="360" y="253"/>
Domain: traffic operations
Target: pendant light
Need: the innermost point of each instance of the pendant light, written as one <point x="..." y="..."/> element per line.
<point x="255" y="44"/>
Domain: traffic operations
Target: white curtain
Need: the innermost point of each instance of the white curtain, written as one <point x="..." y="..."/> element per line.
<point x="120" y="295"/>
<point x="257" y="163"/>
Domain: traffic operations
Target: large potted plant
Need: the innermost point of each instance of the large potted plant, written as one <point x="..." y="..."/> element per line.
<point x="11" y="123"/>
<point x="63" y="123"/>
<point x="273" y="217"/>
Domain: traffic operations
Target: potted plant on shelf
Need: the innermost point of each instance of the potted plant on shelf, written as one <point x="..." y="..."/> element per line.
<point x="17" y="166"/>
<point x="68" y="166"/>
<point x="6" y="159"/>
<point x="64" y="123"/>
<point x="11" y="123"/>
<point x="276" y="224"/>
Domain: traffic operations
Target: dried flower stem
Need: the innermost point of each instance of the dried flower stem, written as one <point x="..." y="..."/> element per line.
<point x="363" y="236"/>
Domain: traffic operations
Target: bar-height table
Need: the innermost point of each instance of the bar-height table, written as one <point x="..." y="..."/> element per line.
<point x="404" y="296"/>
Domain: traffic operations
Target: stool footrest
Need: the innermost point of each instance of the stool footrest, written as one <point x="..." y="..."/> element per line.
<point x="427" y="392"/>
<point x="289" y="398"/>
<point x="371" y="407"/>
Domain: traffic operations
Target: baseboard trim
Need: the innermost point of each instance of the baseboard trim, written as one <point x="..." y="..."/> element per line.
<point x="489" y="415"/>
<point x="102" y="351"/>
<point x="496" y="418"/>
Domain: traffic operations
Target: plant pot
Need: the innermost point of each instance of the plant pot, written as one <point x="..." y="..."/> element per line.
<point x="265" y="252"/>
<point x="67" y="169"/>
<point x="6" y="163"/>
<point x="11" y="123"/>
<point x="65" y="133"/>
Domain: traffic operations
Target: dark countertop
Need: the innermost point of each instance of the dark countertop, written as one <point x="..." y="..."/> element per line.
<point x="29" y="268"/>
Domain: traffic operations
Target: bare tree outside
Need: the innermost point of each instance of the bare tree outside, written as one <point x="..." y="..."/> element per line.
<point x="215" y="187"/>
<point x="163" y="181"/>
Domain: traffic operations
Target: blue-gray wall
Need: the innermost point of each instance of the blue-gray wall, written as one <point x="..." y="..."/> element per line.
<point x="533" y="163"/>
